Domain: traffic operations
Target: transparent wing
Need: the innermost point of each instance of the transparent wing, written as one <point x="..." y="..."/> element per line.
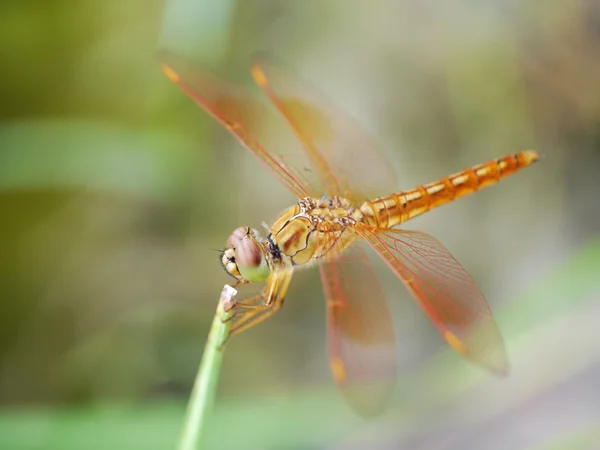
<point x="346" y="161"/>
<point x="250" y="120"/>
<point x="445" y="291"/>
<point x="360" y="331"/>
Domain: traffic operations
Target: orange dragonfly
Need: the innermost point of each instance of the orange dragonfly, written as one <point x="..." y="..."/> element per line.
<point x="346" y="193"/>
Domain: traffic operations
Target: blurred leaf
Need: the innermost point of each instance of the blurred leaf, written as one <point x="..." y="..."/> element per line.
<point x="107" y="156"/>
<point x="188" y="25"/>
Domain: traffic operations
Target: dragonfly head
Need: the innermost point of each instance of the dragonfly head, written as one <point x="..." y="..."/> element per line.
<point x="245" y="256"/>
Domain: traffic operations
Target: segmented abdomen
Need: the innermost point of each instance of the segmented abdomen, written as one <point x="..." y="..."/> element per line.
<point x="399" y="207"/>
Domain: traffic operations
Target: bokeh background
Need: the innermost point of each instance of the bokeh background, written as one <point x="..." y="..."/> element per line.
<point x="115" y="191"/>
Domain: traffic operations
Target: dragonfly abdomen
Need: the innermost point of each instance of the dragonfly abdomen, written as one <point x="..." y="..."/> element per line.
<point x="401" y="206"/>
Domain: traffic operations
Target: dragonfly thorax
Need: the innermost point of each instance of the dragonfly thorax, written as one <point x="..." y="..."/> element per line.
<point x="313" y="227"/>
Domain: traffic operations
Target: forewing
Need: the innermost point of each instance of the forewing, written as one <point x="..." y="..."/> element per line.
<point x="360" y="331"/>
<point x="347" y="162"/>
<point x="445" y="291"/>
<point x="250" y="120"/>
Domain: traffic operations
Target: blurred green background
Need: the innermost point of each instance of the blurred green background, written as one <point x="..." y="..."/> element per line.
<point x="115" y="191"/>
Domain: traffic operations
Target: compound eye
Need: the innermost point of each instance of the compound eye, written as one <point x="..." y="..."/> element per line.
<point x="251" y="261"/>
<point x="248" y="253"/>
<point x="236" y="236"/>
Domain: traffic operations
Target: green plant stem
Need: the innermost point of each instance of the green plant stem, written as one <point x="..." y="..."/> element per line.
<point x="205" y="386"/>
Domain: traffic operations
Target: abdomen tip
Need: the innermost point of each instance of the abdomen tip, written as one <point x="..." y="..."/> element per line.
<point x="533" y="155"/>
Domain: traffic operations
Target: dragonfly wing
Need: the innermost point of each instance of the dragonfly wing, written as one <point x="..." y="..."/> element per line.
<point x="252" y="121"/>
<point x="360" y="331"/>
<point x="445" y="291"/>
<point x="346" y="160"/>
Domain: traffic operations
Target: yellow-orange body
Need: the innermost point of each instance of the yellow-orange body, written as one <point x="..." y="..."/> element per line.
<point x="313" y="227"/>
<point x="336" y="160"/>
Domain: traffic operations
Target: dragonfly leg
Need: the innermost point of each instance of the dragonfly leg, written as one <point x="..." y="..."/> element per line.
<point x="251" y="314"/>
<point x="254" y="310"/>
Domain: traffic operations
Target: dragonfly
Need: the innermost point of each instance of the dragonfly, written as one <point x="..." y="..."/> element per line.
<point x="346" y="193"/>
